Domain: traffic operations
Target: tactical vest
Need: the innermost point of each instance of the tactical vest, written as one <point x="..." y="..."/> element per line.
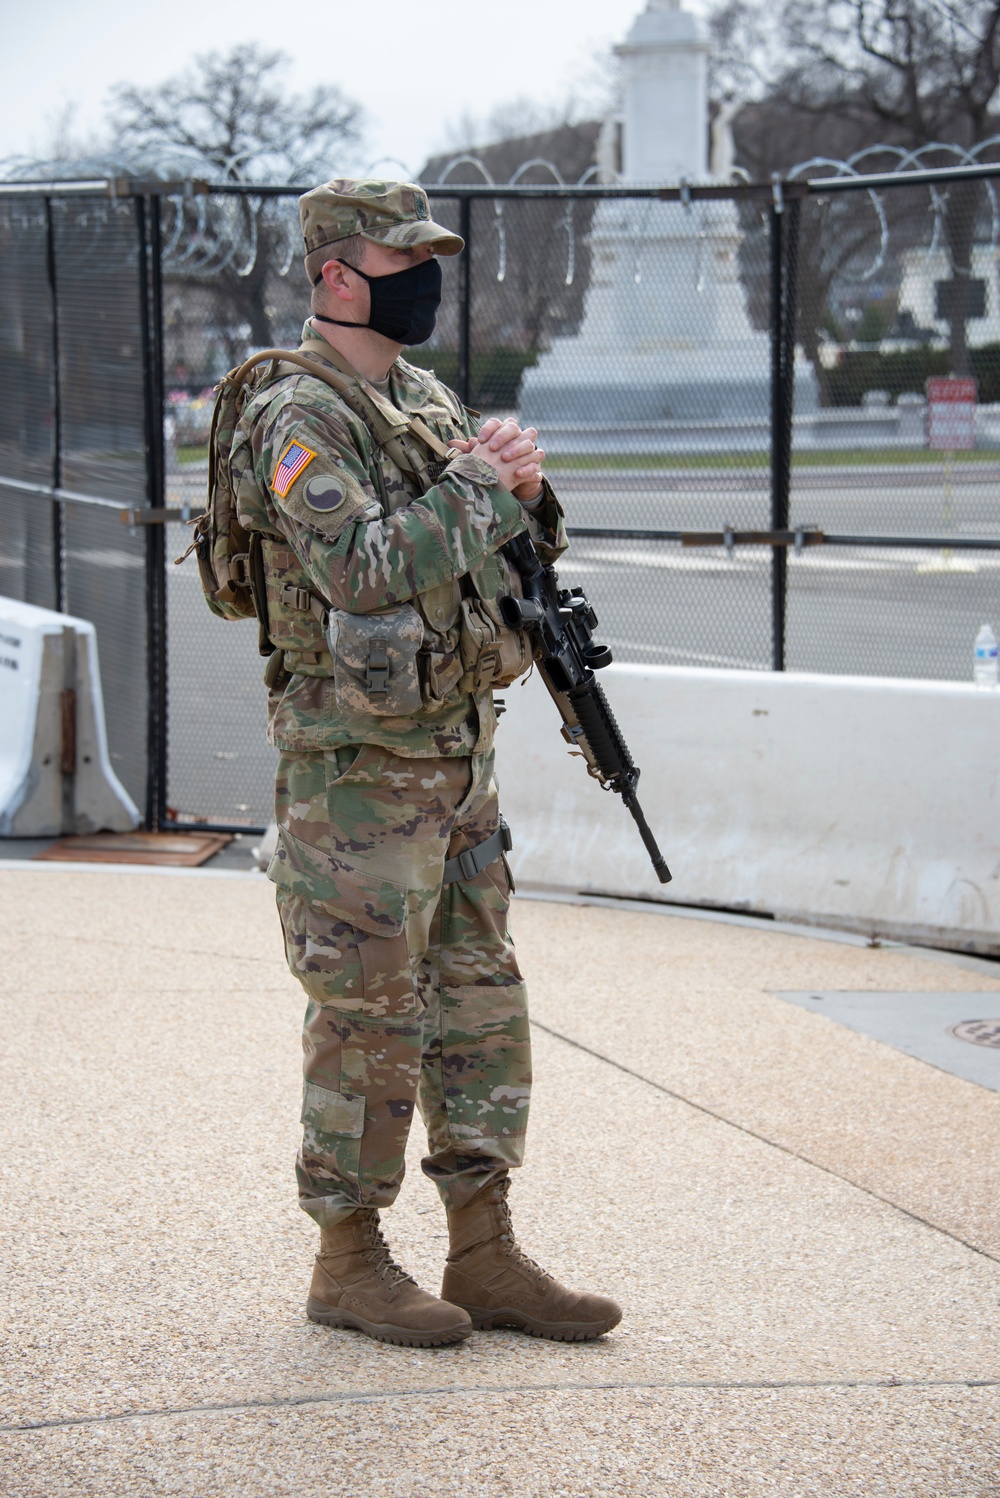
<point x="409" y="657"/>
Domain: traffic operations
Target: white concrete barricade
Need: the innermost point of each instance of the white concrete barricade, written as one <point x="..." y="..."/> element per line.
<point x="862" y="803"/>
<point x="55" y="772"/>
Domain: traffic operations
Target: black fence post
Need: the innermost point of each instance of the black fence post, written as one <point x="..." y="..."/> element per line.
<point x="151" y="325"/>
<point x="464" y="382"/>
<point x="59" y="580"/>
<point x="784" y="257"/>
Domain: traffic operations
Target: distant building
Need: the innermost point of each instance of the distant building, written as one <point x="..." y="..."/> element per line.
<point x="925" y="288"/>
<point x="571" y="149"/>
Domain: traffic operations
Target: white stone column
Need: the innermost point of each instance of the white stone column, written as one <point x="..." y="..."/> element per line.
<point x="665" y="342"/>
<point x="665" y="62"/>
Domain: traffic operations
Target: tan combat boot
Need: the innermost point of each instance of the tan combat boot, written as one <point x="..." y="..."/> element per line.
<point x="355" y="1283"/>
<point x="489" y="1276"/>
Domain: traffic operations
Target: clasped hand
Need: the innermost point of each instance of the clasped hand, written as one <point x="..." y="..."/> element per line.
<point x="512" y="452"/>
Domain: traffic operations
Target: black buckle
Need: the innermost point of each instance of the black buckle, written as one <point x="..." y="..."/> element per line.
<point x="377" y="674"/>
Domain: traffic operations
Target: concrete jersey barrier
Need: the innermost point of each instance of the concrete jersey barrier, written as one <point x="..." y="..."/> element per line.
<point x="55" y="770"/>
<point x="863" y="803"/>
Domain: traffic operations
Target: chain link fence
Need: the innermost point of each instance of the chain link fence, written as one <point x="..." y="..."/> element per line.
<point x="731" y="385"/>
<point x="75" y="365"/>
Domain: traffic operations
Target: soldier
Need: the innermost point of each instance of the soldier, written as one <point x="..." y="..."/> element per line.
<point x="380" y="515"/>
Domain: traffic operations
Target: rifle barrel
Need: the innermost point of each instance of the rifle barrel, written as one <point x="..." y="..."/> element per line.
<point x="658" y="861"/>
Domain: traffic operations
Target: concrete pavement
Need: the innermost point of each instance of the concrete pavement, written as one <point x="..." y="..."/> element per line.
<point x="801" y="1221"/>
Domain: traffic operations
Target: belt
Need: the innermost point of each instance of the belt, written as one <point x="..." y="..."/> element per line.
<point x="473" y="861"/>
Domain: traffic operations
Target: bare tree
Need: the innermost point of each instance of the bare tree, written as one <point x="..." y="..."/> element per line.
<point x="230" y="115"/>
<point x="840" y="235"/>
<point x="229" y="119"/>
<point x="929" y="68"/>
<point x="912" y="72"/>
<point x="748" y="51"/>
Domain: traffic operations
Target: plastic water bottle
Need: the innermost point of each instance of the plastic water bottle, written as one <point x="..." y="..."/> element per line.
<point x="984" y="665"/>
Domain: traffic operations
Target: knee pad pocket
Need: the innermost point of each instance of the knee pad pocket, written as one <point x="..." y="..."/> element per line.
<point x="345" y="931"/>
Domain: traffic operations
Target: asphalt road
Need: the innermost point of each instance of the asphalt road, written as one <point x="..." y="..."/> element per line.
<point x="865" y="611"/>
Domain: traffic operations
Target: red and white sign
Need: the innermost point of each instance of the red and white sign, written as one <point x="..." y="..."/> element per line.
<point x="951" y="414"/>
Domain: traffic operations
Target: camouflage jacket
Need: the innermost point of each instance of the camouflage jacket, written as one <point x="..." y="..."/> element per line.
<point x="341" y="522"/>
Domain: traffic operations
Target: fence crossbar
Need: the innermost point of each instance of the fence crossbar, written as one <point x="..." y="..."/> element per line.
<point x="807" y="536"/>
<point x="58" y="493"/>
<point x="786" y="188"/>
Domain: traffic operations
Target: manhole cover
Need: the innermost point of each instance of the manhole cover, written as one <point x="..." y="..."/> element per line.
<point x="978" y="1032"/>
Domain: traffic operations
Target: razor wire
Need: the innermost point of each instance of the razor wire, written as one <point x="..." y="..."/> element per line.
<point x="208" y="234"/>
<point x="220" y="238"/>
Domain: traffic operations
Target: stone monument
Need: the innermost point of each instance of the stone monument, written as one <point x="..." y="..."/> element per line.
<point x="665" y="340"/>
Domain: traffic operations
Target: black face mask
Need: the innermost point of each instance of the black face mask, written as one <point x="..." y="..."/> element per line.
<point x="403" y="305"/>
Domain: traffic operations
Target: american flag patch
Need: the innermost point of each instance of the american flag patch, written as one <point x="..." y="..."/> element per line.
<point x="290" y="465"/>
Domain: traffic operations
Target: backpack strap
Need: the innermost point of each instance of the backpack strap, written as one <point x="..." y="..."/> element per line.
<point x="406" y="439"/>
<point x="386" y="410"/>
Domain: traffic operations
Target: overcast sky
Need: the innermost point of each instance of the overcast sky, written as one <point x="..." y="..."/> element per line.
<point x="415" y="65"/>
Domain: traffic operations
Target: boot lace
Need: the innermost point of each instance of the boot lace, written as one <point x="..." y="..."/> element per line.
<point x="512" y="1249"/>
<point x="378" y="1254"/>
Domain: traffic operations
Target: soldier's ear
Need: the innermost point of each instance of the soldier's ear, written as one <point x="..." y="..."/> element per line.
<point x="337" y="279"/>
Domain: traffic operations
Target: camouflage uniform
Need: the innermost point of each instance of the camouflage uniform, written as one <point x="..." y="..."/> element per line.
<point x="414" y="993"/>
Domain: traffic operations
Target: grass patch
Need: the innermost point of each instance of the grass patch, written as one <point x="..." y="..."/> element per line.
<point x="603" y="461"/>
<point x="862" y="458"/>
<point x="723" y="462"/>
<point x="192" y="454"/>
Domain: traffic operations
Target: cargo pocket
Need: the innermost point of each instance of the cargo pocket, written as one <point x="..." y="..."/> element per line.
<point x="345" y="931"/>
<point x="332" y="1126"/>
<point x="322" y="952"/>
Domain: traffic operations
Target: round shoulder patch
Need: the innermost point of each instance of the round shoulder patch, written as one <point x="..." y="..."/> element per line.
<point x="323" y="493"/>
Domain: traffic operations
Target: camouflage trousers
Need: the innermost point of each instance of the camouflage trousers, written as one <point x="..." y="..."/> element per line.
<point x="414" y="993"/>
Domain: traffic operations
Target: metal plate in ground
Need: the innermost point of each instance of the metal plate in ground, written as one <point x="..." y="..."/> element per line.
<point x="921" y="1024"/>
<point x="179" y="849"/>
<point x="978" y="1032"/>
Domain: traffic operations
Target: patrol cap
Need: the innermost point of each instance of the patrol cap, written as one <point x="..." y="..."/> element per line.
<point x="390" y="213"/>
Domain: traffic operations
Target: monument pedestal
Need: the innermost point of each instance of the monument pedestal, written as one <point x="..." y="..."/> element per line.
<point x="665" y="339"/>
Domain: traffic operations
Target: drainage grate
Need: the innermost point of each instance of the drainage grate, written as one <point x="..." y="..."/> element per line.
<point x="978" y="1032"/>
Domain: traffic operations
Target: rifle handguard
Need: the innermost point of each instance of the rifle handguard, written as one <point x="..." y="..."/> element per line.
<point x="562" y="623"/>
<point x="595" y="717"/>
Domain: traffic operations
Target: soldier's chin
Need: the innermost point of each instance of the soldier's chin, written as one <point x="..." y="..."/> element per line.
<point x="416" y="336"/>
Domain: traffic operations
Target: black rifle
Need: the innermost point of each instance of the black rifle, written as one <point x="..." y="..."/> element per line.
<point x="562" y="623"/>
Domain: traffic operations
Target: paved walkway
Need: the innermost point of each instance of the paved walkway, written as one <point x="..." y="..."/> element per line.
<point x="802" y="1222"/>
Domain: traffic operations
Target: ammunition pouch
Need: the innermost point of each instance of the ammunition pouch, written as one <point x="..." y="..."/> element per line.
<point x="493" y="654"/>
<point x="440" y="661"/>
<point x="375" y="668"/>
